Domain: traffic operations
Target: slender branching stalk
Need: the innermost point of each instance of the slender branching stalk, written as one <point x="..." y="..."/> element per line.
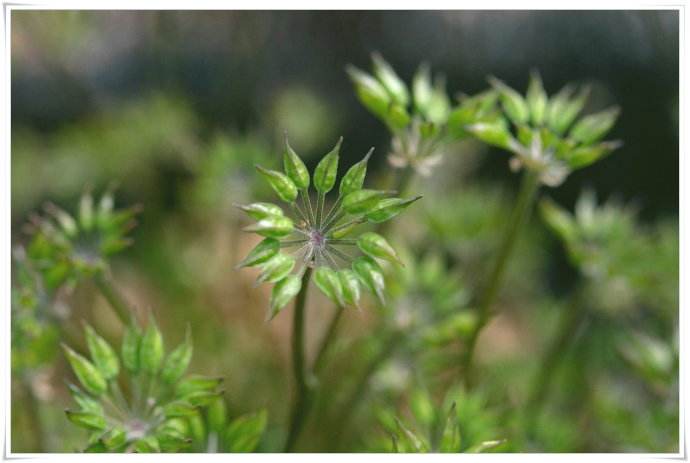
<point x="114" y="298"/>
<point x="328" y="339"/>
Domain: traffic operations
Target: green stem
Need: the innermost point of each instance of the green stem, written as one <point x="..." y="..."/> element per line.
<point x="300" y="407"/>
<point x="116" y="301"/>
<point x="328" y="339"/>
<point x="523" y="206"/>
<point x="33" y="414"/>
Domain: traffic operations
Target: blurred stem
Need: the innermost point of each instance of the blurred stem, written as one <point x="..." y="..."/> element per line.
<point x="403" y="180"/>
<point x="114" y="298"/>
<point x="328" y="339"/>
<point x="522" y="209"/>
<point x="33" y="415"/>
<point x="300" y="407"/>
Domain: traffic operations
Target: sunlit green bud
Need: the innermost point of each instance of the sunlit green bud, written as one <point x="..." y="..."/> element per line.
<point x="148" y="444"/>
<point x="259" y="211"/>
<point x="422" y="90"/>
<point x="371" y="275"/>
<point x="295" y="168"/>
<point x="179" y="408"/>
<point x="328" y="282"/>
<point x="217" y="415"/>
<point x="558" y="220"/>
<point x="114" y="438"/>
<point x="494" y="133"/>
<point x="586" y="155"/>
<point x="66" y="221"/>
<point x="197" y="427"/>
<point x="375" y="245"/>
<point x="86" y="215"/>
<point x="177" y="361"/>
<point x="514" y="105"/>
<point x="525" y="135"/>
<point x="87" y="420"/>
<point x="429" y="129"/>
<point x="283" y="291"/>
<point x="362" y="201"/>
<point x="261" y="253"/>
<point x="537" y="100"/>
<point x="277" y="268"/>
<point x="397" y="116"/>
<point x="86" y="372"/>
<point x="195" y="384"/>
<point x="438" y="107"/>
<point x="86" y="402"/>
<point x="103" y="356"/>
<point x="281" y="184"/>
<point x="344" y="231"/>
<point x="350" y="286"/>
<point x="272" y="227"/>
<point x="450" y="438"/>
<point x="170" y="438"/>
<point x="131" y="340"/>
<point x="388" y="208"/>
<point x="390" y="80"/>
<point x="151" y="349"/>
<point x="353" y="180"/>
<point x="327" y="170"/>
<point x="556" y="108"/>
<point x="592" y="128"/>
<point x="243" y="433"/>
<point x="370" y="91"/>
<point x="571" y="108"/>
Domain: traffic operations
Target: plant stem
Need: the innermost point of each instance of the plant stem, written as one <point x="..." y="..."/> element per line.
<point x="300" y="407"/>
<point x="33" y="415"/>
<point x="116" y="301"/>
<point x="523" y="206"/>
<point x="327" y="339"/>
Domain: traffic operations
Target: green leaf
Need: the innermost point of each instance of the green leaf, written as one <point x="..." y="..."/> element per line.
<point x="259" y="211"/>
<point x="327" y="170"/>
<point x="354" y="177"/>
<point x="514" y="105"/>
<point x="263" y="251"/>
<point x="177" y="361"/>
<point x="295" y="168"/>
<point x="131" y="340"/>
<point x="592" y="128"/>
<point x="388" y="208"/>
<point x="244" y="433"/>
<point x="151" y="351"/>
<point x="350" y="286"/>
<point x="328" y="282"/>
<point x="272" y="227"/>
<point x="281" y="184"/>
<point x="362" y="201"/>
<point x="375" y="245"/>
<point x="537" y="101"/>
<point x="392" y="83"/>
<point x="371" y="275"/>
<point x="89" y="376"/>
<point x="283" y="292"/>
<point x="277" y="268"/>
<point x="370" y="91"/>
<point x="86" y="420"/>
<point x="104" y="356"/>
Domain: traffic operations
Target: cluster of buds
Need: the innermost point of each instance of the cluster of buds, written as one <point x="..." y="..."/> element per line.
<point x="546" y="136"/>
<point x="158" y="413"/>
<point x="321" y="239"/>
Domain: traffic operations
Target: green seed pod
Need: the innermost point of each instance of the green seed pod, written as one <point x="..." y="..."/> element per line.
<point x="151" y="350"/>
<point x="592" y="128"/>
<point x="260" y="211"/>
<point x="66" y="221"/>
<point x="362" y="201"/>
<point x="295" y="168"/>
<point x="438" y="108"/>
<point x="89" y="376"/>
<point x="177" y="361"/>
<point x="560" y="221"/>
<point x="148" y="444"/>
<point x="556" y="108"/>
<point x="397" y="116"/>
<point x="86" y="402"/>
<point x="179" y="408"/>
<point x="514" y="105"/>
<point x="283" y="292"/>
<point x="375" y="245"/>
<point x="277" y="268"/>
<point x="272" y="227"/>
<point x="392" y="83"/>
<point x="569" y="111"/>
<point x="353" y="180"/>
<point x="350" y="285"/>
<point x="388" y="208"/>
<point x="194" y="384"/>
<point x="371" y="93"/>
<point x="328" y="282"/>
<point x="243" y="434"/>
<point x="281" y="184"/>
<point x="114" y="439"/>
<point x="87" y="420"/>
<point x="494" y="133"/>
<point x="342" y="232"/>
<point x="327" y="170"/>
<point x="203" y="398"/>
<point x="422" y="90"/>
<point x="104" y="356"/>
<point x="263" y="251"/>
<point x="197" y="428"/>
<point x="537" y="100"/>
<point x="86" y="215"/>
<point x="586" y="155"/>
<point x="217" y="415"/>
<point x="371" y="275"/>
<point x="131" y="341"/>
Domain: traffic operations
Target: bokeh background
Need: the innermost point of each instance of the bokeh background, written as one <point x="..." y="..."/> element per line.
<point x="176" y="107"/>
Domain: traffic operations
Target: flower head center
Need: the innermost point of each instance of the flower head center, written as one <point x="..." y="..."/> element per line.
<point x="317" y="239"/>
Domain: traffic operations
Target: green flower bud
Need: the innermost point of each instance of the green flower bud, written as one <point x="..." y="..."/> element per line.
<point x="513" y="103"/>
<point x="375" y="245"/>
<point x="344" y="231"/>
<point x="87" y="420"/>
<point x="327" y="170"/>
<point x="371" y="93"/>
<point x="362" y="201"/>
<point x="86" y="215"/>
<point x="438" y="107"/>
<point x="371" y="275"/>
<point x="89" y="376"/>
<point x="422" y="91"/>
<point x="354" y="177"/>
<point x="131" y="340"/>
<point x="243" y="434"/>
<point x="104" y="356"/>
<point x="281" y="184"/>
<point x="148" y="444"/>
<point x="569" y="111"/>
<point x="586" y="155"/>
<point x="86" y="402"/>
<point x="556" y="109"/>
<point x="151" y="349"/>
<point x="295" y="168"/>
<point x="494" y="133"/>
<point x="593" y="127"/>
<point x="179" y="408"/>
<point x="390" y="80"/>
<point x="263" y="251"/>
<point x="195" y="384"/>
<point x="350" y="286"/>
<point x="329" y="283"/>
<point x="115" y="438"/>
<point x="388" y="208"/>
<point x="397" y="116"/>
<point x="277" y="268"/>
<point x="272" y="227"/>
<point x="283" y="292"/>
<point x="260" y="211"/>
<point x="177" y="361"/>
<point x="217" y="415"/>
<point x="558" y="220"/>
<point x="537" y="100"/>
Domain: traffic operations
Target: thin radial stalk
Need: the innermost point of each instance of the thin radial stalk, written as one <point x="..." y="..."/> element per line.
<point x="307" y="205"/>
<point x="331" y="213"/>
<point x="345" y="257"/>
<point x="332" y="221"/>
<point x="320" y="199"/>
<point x="347" y="224"/>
